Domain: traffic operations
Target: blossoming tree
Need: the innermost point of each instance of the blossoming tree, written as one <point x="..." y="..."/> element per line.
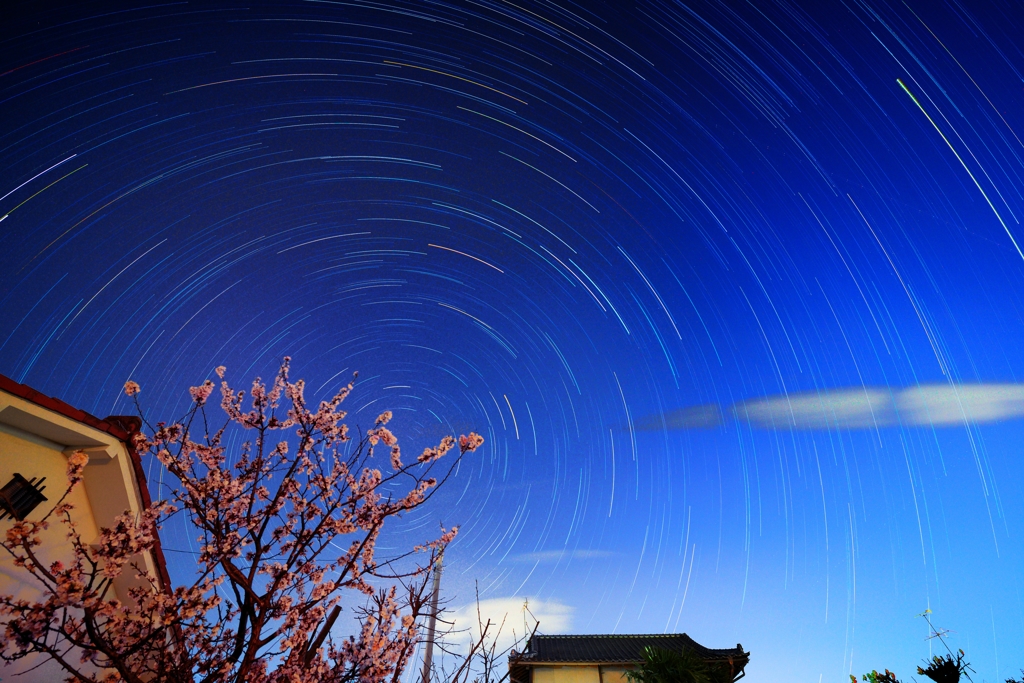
<point x="287" y="527"/>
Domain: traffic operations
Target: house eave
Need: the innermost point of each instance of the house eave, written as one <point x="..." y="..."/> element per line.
<point x="86" y="431"/>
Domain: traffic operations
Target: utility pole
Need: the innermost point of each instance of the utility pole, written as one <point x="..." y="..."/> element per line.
<point x="427" y="656"/>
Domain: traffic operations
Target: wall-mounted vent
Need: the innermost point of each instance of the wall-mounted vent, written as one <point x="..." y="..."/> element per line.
<point x="20" y="496"/>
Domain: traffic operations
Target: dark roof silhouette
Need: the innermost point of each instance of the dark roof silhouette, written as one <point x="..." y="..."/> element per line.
<point x="615" y="649"/>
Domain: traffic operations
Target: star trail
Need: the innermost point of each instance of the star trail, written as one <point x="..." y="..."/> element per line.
<point x="731" y="289"/>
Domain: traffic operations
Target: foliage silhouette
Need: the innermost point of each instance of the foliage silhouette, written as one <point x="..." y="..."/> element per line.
<point x="945" y="669"/>
<point x="875" y="677"/>
<point x="941" y="669"/>
<point x="668" y="666"/>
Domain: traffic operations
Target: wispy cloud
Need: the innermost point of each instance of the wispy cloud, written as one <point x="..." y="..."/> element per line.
<point x="546" y="556"/>
<point x="511" y="616"/>
<point x="935" y="405"/>
<point x="848" y="408"/>
<point x="944" y="404"/>
<point x="692" y="417"/>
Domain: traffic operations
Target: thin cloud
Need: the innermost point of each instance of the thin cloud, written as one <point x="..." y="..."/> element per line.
<point x="943" y="404"/>
<point x="848" y="408"/>
<point x="936" y="405"/>
<point x="694" y="417"/>
<point x="546" y="556"/>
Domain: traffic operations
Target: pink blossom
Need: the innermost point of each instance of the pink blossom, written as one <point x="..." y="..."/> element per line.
<point x="76" y="466"/>
<point x="131" y="388"/>
<point x="202" y="392"/>
<point x="471" y="442"/>
<point x="431" y="454"/>
<point x="304" y="516"/>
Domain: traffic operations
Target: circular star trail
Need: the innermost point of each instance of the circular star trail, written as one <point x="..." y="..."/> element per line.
<point x="730" y="289"/>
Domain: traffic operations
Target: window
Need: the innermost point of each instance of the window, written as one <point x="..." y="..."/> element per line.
<point x="20" y="496"/>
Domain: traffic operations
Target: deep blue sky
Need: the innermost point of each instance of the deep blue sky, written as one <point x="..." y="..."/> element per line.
<point x="561" y="225"/>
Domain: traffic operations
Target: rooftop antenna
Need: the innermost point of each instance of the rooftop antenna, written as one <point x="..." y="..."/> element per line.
<point x="432" y="619"/>
<point x="526" y="609"/>
<point x="939" y="633"/>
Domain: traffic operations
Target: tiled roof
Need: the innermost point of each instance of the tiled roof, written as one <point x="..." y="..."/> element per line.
<point x="617" y="648"/>
<point x="118" y="427"/>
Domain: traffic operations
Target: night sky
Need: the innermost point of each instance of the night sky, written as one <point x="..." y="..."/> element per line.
<point x="732" y="290"/>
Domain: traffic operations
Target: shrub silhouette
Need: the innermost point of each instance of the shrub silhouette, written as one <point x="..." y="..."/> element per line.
<point x="945" y="669"/>
<point x="669" y="666"/>
<point x="875" y="677"/>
